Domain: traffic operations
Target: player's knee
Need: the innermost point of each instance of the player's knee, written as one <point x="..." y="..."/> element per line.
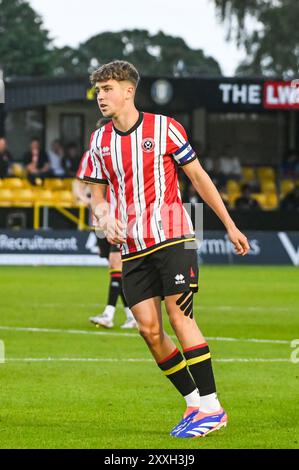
<point x="176" y="320"/>
<point x="151" y="333"/>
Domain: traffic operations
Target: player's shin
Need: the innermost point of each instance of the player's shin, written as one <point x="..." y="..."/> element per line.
<point x="175" y="369"/>
<point x="198" y="359"/>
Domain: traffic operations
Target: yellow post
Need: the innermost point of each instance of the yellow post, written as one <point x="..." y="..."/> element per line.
<point x="36" y="218"/>
<point x="81" y="224"/>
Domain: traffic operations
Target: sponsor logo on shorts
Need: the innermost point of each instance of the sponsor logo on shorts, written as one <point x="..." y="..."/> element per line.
<point x="180" y="279"/>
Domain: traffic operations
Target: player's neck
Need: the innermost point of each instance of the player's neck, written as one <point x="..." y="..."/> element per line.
<point x="126" y="120"/>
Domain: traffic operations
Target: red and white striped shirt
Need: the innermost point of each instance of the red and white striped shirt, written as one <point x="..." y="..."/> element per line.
<point x="141" y="168"/>
<point x="85" y="169"/>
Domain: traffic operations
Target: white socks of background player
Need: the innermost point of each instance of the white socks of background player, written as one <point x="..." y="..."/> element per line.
<point x="109" y="312"/>
<point x="129" y="314"/>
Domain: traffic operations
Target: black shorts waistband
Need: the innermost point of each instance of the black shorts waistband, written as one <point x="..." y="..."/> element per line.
<point x="159" y="246"/>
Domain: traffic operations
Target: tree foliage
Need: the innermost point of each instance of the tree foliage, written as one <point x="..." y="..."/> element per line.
<point x="269" y="31"/>
<point x="24" y="43"/>
<point x="151" y="54"/>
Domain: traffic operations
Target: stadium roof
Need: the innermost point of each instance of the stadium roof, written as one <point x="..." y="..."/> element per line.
<point x="161" y="93"/>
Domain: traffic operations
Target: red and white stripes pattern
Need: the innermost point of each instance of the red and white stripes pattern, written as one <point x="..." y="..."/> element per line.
<point x="141" y="170"/>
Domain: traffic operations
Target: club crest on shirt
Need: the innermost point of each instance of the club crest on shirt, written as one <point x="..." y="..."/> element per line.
<point x="148" y="144"/>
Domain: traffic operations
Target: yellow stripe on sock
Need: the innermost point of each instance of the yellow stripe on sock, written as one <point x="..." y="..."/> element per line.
<point x="176" y="368"/>
<point x="195" y="360"/>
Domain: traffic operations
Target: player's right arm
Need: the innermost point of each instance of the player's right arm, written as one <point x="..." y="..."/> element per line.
<point x="112" y="227"/>
<point x="92" y="172"/>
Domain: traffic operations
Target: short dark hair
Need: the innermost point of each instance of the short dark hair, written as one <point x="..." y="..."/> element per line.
<point x="119" y="70"/>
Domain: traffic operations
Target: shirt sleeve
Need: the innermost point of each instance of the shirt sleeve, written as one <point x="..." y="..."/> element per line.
<point x="178" y="145"/>
<point x="83" y="166"/>
<point x="90" y="167"/>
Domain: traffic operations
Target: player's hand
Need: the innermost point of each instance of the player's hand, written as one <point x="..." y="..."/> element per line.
<point x="114" y="230"/>
<point x="239" y="240"/>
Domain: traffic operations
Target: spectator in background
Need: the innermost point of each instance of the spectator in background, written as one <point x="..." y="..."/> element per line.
<point x="56" y="156"/>
<point x="209" y="164"/>
<point x="229" y="167"/>
<point x="192" y="197"/>
<point x="291" y="200"/>
<point x="290" y="165"/>
<point x="36" y="161"/>
<point x="5" y="158"/>
<point x="71" y="160"/>
<point x="245" y="201"/>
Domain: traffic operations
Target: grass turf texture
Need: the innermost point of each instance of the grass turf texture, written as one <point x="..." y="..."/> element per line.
<point x="123" y="404"/>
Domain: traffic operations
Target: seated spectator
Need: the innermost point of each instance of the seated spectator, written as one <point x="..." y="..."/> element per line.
<point x="290" y="165"/>
<point x="5" y="158"/>
<point x="71" y="160"/>
<point x="56" y="156"/>
<point x="291" y="200"/>
<point x="36" y="161"/>
<point x="245" y="201"/>
<point x="191" y="195"/>
<point x="228" y="167"/>
<point x="210" y="165"/>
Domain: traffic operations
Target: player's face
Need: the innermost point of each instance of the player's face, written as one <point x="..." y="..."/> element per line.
<point x="112" y="97"/>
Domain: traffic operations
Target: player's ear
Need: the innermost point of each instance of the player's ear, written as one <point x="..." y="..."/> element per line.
<point x="130" y="91"/>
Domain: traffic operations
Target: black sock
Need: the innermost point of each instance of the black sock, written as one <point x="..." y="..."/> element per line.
<point x="175" y="369"/>
<point x="200" y="366"/>
<point x="114" y="287"/>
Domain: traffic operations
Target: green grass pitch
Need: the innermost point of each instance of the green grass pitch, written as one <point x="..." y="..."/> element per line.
<point x="120" y="399"/>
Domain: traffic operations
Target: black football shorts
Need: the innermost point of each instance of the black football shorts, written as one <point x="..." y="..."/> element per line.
<point x="105" y="248"/>
<point x="167" y="271"/>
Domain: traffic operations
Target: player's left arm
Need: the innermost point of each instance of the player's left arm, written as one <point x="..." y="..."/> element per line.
<point x="209" y="193"/>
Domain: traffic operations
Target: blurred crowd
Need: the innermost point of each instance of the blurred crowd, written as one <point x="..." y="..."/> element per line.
<point x="249" y="187"/>
<point x="60" y="161"/>
<point x="243" y="188"/>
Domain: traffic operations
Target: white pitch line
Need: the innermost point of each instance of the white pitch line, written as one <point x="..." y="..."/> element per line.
<point x="249" y="340"/>
<point x="108" y="359"/>
<point x="199" y="307"/>
<point x="72" y="332"/>
<point x="135" y="335"/>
